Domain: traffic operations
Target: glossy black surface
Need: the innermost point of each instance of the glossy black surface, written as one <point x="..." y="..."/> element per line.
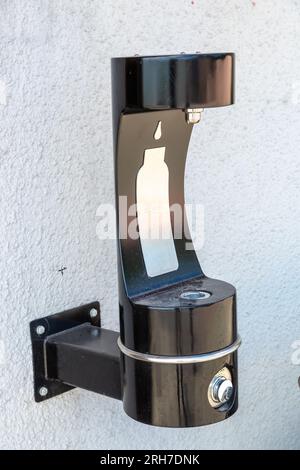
<point x="163" y="323"/>
<point x="153" y="319"/>
<point x="175" y="81"/>
<point x="85" y="356"/>
<point x="175" y="395"/>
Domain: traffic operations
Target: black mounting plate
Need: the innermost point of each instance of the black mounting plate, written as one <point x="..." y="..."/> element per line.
<point x="43" y="327"/>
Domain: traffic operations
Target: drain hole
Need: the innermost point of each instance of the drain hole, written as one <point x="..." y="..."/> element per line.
<point x="195" y="295"/>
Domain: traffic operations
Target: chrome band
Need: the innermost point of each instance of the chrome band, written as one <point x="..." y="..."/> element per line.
<point x="210" y="356"/>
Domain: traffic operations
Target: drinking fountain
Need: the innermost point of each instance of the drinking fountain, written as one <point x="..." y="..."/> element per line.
<point x="174" y="361"/>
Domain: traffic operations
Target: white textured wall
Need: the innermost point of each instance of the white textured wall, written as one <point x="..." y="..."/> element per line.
<point x="56" y="167"/>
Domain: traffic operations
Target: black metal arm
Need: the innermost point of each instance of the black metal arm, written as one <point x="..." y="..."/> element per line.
<point x="85" y="356"/>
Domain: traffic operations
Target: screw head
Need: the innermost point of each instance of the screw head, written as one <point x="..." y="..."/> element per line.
<point x="225" y="391"/>
<point x="221" y="390"/>
<point x="93" y="312"/>
<point x="43" y="391"/>
<point x="40" y="330"/>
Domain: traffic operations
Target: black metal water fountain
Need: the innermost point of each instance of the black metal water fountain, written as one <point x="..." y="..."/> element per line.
<point x="174" y="361"/>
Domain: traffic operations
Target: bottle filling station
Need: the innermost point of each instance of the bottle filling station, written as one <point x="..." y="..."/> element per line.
<point x="174" y="360"/>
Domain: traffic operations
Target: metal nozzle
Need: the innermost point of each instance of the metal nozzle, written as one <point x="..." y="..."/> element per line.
<point x="193" y="115"/>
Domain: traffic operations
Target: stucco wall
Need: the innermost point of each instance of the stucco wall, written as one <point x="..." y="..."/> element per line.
<point x="56" y="168"/>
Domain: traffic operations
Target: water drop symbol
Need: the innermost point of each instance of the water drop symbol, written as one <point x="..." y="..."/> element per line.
<point x="157" y="133"/>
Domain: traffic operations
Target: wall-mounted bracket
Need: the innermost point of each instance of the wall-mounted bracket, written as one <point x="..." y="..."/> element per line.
<point x="70" y="349"/>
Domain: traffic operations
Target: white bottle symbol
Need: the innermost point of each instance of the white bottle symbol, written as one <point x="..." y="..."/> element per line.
<point x="153" y="211"/>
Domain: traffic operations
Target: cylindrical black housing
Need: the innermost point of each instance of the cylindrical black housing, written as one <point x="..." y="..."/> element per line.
<point x="178" y="333"/>
<point x="175" y="395"/>
<point x="174" y="81"/>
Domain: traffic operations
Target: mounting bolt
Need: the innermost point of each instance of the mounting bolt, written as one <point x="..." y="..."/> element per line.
<point x="93" y="312"/>
<point x="43" y="391"/>
<point x="40" y="330"/>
